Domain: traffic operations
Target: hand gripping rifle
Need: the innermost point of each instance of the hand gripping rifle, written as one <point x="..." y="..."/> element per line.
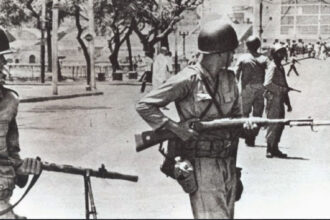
<point x="148" y="139"/>
<point x="85" y="172"/>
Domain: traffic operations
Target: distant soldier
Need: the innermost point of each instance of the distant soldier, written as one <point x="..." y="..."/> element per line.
<point x="276" y="96"/>
<point x="9" y="144"/>
<point x="251" y="73"/>
<point x="293" y="67"/>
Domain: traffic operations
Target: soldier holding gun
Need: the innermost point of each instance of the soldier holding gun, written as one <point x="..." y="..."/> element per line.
<point x="204" y="91"/>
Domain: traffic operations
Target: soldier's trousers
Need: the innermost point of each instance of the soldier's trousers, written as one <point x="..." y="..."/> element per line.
<point x="253" y="101"/>
<point x="215" y="197"/>
<point x="274" y="109"/>
<point x="6" y="190"/>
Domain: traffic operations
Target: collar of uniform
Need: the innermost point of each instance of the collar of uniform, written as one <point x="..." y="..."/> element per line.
<point x="205" y="72"/>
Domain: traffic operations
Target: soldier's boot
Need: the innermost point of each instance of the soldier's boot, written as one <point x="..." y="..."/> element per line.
<point x="278" y="153"/>
<point x="250" y="142"/>
<point x="274" y="152"/>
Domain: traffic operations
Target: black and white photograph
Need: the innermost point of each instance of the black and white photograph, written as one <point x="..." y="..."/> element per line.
<point x="164" y="109"/>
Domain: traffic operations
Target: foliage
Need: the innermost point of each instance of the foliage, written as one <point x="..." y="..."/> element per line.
<point x="154" y="22"/>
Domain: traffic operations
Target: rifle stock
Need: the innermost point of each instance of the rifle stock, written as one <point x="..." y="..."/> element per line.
<point x="150" y="138"/>
<point x="100" y="173"/>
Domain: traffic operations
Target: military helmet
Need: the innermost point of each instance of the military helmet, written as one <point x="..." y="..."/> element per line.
<point x="277" y="48"/>
<point x="253" y="43"/>
<point x="4" y="43"/>
<point x="217" y="37"/>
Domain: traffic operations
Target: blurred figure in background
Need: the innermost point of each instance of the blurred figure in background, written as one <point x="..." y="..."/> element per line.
<point x="250" y="71"/>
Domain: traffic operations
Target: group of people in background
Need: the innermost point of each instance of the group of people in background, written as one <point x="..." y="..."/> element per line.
<point x="318" y="50"/>
<point x="261" y="77"/>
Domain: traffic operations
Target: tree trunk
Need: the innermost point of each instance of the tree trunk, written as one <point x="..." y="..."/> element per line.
<point x="128" y="42"/>
<point x="164" y="42"/>
<point x="42" y="56"/>
<point x="82" y="44"/>
<point x="114" y="60"/>
<point x="49" y="49"/>
<point x="148" y="49"/>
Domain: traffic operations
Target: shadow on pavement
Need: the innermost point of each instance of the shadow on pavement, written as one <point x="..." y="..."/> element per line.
<point x="290" y="158"/>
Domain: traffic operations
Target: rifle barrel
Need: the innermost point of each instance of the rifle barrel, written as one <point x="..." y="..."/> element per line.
<point x="102" y="173"/>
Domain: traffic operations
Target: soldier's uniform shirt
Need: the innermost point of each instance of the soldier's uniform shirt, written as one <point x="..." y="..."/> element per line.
<point x="251" y="72"/>
<point x="9" y="146"/>
<point x="276" y="86"/>
<point x="214" y="158"/>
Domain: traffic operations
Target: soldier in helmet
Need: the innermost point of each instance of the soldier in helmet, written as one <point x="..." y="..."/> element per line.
<point x="204" y="91"/>
<point x="251" y="72"/>
<point x="276" y="97"/>
<point x="9" y="144"/>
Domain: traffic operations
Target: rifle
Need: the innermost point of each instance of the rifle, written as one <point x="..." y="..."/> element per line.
<point x="148" y="139"/>
<point x="85" y="172"/>
<point x="293" y="89"/>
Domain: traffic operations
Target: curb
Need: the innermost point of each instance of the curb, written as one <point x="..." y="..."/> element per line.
<point x="48" y="98"/>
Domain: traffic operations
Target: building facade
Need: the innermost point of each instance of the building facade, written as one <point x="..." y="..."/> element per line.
<point x="308" y="20"/>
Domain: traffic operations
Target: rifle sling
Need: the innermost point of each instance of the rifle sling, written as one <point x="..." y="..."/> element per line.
<point x="32" y="183"/>
<point x="213" y="94"/>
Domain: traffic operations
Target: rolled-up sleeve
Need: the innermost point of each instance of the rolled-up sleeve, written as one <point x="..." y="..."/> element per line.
<point x="176" y="88"/>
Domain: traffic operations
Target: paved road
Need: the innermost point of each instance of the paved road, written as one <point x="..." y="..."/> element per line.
<point x="88" y="131"/>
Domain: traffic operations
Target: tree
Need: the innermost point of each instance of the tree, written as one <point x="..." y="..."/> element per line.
<point x="153" y="23"/>
<point x="114" y="19"/>
<point x="19" y="12"/>
<point x="76" y="8"/>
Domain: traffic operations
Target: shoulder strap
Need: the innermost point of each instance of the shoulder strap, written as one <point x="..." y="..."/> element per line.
<point x="212" y="94"/>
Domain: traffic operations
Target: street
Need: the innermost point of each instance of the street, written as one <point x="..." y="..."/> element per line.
<point x="89" y="131"/>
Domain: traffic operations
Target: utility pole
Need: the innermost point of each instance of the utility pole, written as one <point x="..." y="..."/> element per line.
<point x="183" y="34"/>
<point x="54" y="47"/>
<point x="91" y="43"/>
<point x="260" y="20"/>
<point x="160" y="9"/>
<point x="176" y="70"/>
<point x="42" y="41"/>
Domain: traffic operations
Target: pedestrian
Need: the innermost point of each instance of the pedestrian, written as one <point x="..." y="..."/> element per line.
<point x="170" y="63"/>
<point x="317" y="50"/>
<point x="250" y="71"/>
<point x="205" y="91"/>
<point x="9" y="149"/>
<point x="309" y="49"/>
<point x="276" y="97"/>
<point x="293" y="49"/>
<point x="323" y="51"/>
<point x="293" y="67"/>
<point x="161" y="68"/>
<point x="147" y="75"/>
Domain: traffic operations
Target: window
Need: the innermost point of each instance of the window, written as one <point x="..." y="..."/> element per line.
<point x="286" y="29"/>
<point x="307" y="19"/>
<point x="16" y="60"/>
<point x="287" y="20"/>
<point x="32" y="59"/>
<point x="308" y="30"/>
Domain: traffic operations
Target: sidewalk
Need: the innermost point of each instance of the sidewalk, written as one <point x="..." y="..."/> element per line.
<point x="40" y="93"/>
<point x="37" y="92"/>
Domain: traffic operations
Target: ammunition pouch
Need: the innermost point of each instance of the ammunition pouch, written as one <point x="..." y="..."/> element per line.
<point x="173" y="150"/>
<point x="168" y="167"/>
<point x="188" y="183"/>
<point x="239" y="184"/>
